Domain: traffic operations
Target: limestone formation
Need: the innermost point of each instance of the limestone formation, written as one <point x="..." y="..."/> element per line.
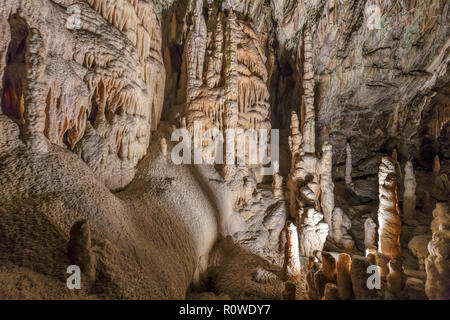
<point x="348" y="166"/>
<point x="92" y="90"/>
<point x="396" y="279"/>
<point x="327" y="187"/>
<point x="344" y="280"/>
<point x="389" y="220"/>
<point x="329" y="267"/>
<point x="79" y="248"/>
<point x="341" y="224"/>
<point x="163" y="143"/>
<point x="313" y="233"/>
<point x="277" y="185"/>
<point x="418" y="245"/>
<point x="437" y="264"/>
<point x="409" y="196"/>
<point x="370" y="233"/>
<point x="292" y="267"/>
<point x="382" y="262"/>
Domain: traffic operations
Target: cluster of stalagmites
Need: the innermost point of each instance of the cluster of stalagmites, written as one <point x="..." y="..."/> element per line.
<point x="310" y="182"/>
<point x="380" y="274"/>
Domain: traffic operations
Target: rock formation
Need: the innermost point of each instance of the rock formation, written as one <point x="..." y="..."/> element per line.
<point x="93" y="91"/>
<point x="292" y="267"/>
<point x="437" y="264"/>
<point x="344" y="280"/>
<point x="370" y="234"/>
<point x="409" y="196"/>
<point x="389" y="220"/>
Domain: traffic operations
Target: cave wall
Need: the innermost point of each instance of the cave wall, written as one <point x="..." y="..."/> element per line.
<point x="97" y="87"/>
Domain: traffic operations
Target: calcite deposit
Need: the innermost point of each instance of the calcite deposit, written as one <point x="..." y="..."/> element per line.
<point x="208" y="149"/>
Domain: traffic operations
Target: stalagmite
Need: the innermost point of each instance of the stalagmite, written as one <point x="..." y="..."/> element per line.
<point x="382" y="262"/>
<point x="370" y="233"/>
<point x="327" y="185"/>
<point x="295" y="141"/>
<point x="436" y="165"/>
<point x="348" y="166"/>
<point x="309" y="132"/>
<point x="292" y="265"/>
<point x="277" y="185"/>
<point x="313" y="233"/>
<point x="344" y="280"/>
<point x="388" y="212"/>
<point x="164" y="146"/>
<point x="341" y="224"/>
<point x="438" y="262"/>
<point x="409" y="196"/>
<point x="396" y="279"/>
<point x="329" y="267"/>
<point x="79" y="248"/>
<point x="418" y="245"/>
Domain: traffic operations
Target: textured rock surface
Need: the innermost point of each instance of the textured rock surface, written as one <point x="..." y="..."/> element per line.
<point x="437" y="263"/>
<point x="91" y="91"/>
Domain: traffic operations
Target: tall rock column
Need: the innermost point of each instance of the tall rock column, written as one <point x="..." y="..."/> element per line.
<point x="231" y="92"/>
<point x="409" y="196"/>
<point x="389" y="219"/>
<point x="309" y="131"/>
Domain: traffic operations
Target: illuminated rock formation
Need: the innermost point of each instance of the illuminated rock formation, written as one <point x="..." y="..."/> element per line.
<point x="341" y="224"/>
<point x="370" y="234"/>
<point x="163" y="144"/>
<point x="396" y="278"/>
<point x="329" y="267"/>
<point x="348" y="166"/>
<point x="277" y="185"/>
<point x="292" y="267"/>
<point x="418" y="245"/>
<point x="389" y="220"/>
<point x="409" y="196"/>
<point x="313" y="232"/>
<point x="438" y="262"/>
<point x="82" y="92"/>
<point x="344" y="280"/>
